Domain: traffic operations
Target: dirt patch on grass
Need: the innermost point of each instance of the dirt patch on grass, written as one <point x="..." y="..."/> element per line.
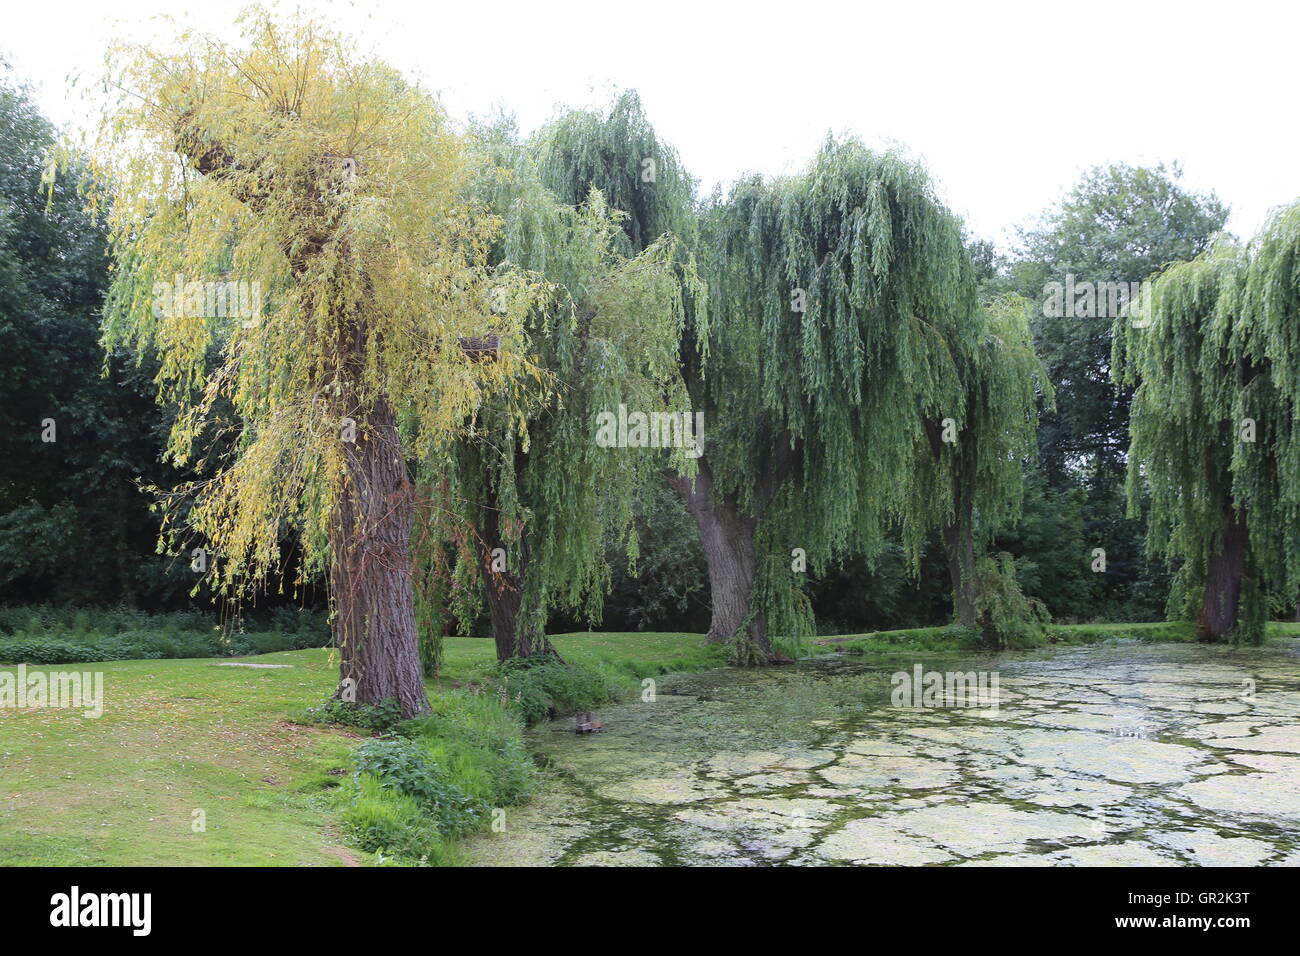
<point x="343" y="853"/>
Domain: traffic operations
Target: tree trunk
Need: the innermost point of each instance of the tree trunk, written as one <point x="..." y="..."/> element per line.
<point x="515" y="633"/>
<point x="958" y="537"/>
<point x="959" y="549"/>
<point x="728" y="541"/>
<point x="370" y="571"/>
<point x="961" y="571"/>
<point x="1223" y="577"/>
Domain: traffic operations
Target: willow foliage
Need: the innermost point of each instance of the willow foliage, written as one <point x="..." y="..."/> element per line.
<point x="338" y="190"/>
<point x="619" y="153"/>
<point x="844" y="304"/>
<point x="607" y="332"/>
<point x="1216" y="361"/>
<point x="1003" y="381"/>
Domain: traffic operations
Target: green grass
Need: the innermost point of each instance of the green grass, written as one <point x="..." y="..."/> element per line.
<point x="944" y="639"/>
<point x="184" y="735"/>
<point x="176" y="736"/>
<point x="634" y="653"/>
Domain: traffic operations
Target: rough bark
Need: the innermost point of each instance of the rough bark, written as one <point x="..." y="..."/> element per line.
<point x="1224" y="573"/>
<point x="727" y="538"/>
<point x="515" y="633"/>
<point x="958" y="539"/>
<point x="959" y="549"/>
<point x="370" y="571"/>
<point x="370" y="560"/>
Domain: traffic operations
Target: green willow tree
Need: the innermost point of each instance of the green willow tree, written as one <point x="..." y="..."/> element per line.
<point x="811" y="416"/>
<point x="619" y="153"/>
<point x="844" y="308"/>
<point x="541" y="494"/>
<point x="334" y="189"/>
<point x="1002" y="380"/>
<point x="1216" y="364"/>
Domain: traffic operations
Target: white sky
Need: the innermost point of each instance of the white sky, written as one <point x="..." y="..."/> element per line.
<point x="1006" y="101"/>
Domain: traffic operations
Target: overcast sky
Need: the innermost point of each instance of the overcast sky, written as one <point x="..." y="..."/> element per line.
<point x="1006" y="102"/>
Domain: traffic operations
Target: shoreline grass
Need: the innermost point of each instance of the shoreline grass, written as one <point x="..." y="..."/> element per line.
<point x="946" y="638"/>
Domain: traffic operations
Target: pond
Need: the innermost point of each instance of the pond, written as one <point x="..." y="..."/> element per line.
<point x="1122" y="754"/>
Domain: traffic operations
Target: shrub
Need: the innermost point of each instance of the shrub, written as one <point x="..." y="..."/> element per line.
<point x="1008" y="618"/>
<point x="375" y="719"/>
<point x="48" y="635"/>
<point x="962" y="636"/>
<point x="413" y="794"/>
<point x="404" y="766"/>
<point x="542" y="687"/>
<point x="382" y="821"/>
<point x="25" y="650"/>
<point x="481" y="745"/>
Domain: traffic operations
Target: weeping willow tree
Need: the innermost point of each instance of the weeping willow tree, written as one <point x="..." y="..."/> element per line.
<point x="541" y="491"/>
<point x="844" y="309"/>
<point x="751" y="447"/>
<point x="334" y="191"/>
<point x="983" y="454"/>
<point x="619" y="153"/>
<point x="1216" y="362"/>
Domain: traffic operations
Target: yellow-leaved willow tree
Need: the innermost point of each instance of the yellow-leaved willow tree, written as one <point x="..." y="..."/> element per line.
<point x="294" y="244"/>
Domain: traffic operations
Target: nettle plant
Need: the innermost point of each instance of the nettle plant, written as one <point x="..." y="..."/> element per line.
<point x="341" y="188"/>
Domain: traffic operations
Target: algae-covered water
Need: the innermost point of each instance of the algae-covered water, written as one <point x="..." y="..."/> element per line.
<point x="1126" y="754"/>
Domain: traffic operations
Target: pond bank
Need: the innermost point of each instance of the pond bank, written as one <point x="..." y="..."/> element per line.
<point x="1121" y="754"/>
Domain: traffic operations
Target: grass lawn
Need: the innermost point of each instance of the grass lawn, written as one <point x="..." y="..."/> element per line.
<point x="183" y="735"/>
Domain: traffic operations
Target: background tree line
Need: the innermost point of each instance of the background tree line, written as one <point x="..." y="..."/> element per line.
<point x="75" y="529"/>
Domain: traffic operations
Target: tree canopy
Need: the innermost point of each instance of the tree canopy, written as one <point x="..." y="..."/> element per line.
<point x="843" y="300"/>
<point x="67" y="492"/>
<point x="1214" y="436"/>
<point x="546" y="496"/>
<point x="338" y="191"/>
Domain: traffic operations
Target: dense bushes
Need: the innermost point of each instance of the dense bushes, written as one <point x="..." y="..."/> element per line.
<point x="440" y="777"/>
<point x="376" y="720"/>
<point x="46" y="635"/>
<point x="437" y="778"/>
<point x="405" y="766"/>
